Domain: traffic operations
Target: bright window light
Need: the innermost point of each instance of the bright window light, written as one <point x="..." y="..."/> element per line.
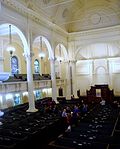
<point x="25" y="93"/>
<point x="9" y="96"/>
<point x="17" y="95"/>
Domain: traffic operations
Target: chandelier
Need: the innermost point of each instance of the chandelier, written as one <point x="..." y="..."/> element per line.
<point x="60" y="58"/>
<point x="10" y="47"/>
<point x="41" y="53"/>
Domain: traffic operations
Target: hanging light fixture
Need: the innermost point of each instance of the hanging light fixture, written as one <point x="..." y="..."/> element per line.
<point x="10" y="47"/>
<point x="59" y="58"/>
<point x="41" y="54"/>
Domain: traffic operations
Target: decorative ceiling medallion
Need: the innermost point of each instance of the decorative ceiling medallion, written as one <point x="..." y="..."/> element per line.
<point x="46" y="1"/>
<point x="95" y="19"/>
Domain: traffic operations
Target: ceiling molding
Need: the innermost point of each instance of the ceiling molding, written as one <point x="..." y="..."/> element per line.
<point x="57" y="4"/>
<point x="103" y="32"/>
<point x="33" y="15"/>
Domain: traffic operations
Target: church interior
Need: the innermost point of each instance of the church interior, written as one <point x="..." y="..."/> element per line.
<point x="60" y="74"/>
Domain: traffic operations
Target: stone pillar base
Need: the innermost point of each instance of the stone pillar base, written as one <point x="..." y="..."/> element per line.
<point x="32" y="110"/>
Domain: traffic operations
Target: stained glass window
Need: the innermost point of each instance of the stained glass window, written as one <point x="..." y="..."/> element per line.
<point x="36" y="66"/>
<point x="14" y="65"/>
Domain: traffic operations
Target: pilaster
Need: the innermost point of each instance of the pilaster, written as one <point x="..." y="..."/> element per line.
<point x="53" y="78"/>
<point x="73" y="77"/>
<point x="68" y="84"/>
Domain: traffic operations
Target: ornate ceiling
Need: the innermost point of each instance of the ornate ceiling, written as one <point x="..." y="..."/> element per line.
<point x="77" y="15"/>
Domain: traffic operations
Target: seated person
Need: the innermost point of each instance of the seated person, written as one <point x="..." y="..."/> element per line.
<point x="75" y="115"/>
<point x="84" y="108"/>
<point x="102" y="102"/>
<point x="72" y="97"/>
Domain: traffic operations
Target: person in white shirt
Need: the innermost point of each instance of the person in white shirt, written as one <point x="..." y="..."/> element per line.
<point x="102" y="102"/>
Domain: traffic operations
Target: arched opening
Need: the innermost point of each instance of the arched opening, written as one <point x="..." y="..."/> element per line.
<point x="101" y="76"/>
<point x="61" y="57"/>
<point x="13" y="62"/>
<point x="43" y="53"/>
<point x="42" y="46"/>
<point x="20" y="44"/>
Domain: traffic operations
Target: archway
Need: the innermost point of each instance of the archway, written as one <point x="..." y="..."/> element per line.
<point x="13" y="30"/>
<point x="45" y="42"/>
<point x="61" y="57"/>
<point x="43" y="52"/>
<point x="18" y="36"/>
<point x="101" y="76"/>
<point x="61" y="66"/>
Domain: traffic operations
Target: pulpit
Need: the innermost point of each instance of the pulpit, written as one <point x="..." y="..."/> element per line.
<point x="98" y="92"/>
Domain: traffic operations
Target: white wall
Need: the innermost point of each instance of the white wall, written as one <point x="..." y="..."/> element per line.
<point x="102" y="71"/>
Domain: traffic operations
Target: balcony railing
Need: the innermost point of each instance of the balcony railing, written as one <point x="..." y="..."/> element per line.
<point x="8" y="87"/>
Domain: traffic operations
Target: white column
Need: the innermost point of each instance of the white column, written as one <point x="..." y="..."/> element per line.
<point x="60" y="70"/>
<point x="1" y="64"/>
<point x="29" y="55"/>
<point x="91" y="71"/>
<point x="53" y="78"/>
<point x="1" y="56"/>
<point x="68" y="85"/>
<point x="74" y="81"/>
<point x="31" y="100"/>
<point x="108" y="73"/>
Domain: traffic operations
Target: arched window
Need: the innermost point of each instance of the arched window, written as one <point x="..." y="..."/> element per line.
<point x="36" y="66"/>
<point x="14" y="65"/>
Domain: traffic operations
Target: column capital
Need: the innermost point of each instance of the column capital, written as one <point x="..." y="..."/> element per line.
<point x="52" y="59"/>
<point x="28" y="55"/>
<point x="72" y="61"/>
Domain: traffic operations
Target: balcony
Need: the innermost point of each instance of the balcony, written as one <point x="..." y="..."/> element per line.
<point x="4" y="76"/>
<point x="20" y="86"/>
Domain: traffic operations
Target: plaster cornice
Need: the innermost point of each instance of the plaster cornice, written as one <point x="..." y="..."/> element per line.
<point x="114" y="30"/>
<point x="38" y="18"/>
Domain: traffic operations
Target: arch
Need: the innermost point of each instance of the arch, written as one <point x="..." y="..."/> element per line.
<point x="45" y="40"/>
<point x="20" y="33"/>
<point x="100" y="70"/>
<point x="63" y="50"/>
<point x="100" y="76"/>
<point x="77" y="53"/>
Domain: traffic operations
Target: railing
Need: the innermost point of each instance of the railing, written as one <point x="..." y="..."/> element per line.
<point x="9" y="87"/>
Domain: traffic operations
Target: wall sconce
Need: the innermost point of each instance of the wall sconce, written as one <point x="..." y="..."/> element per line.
<point x="10" y="47"/>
